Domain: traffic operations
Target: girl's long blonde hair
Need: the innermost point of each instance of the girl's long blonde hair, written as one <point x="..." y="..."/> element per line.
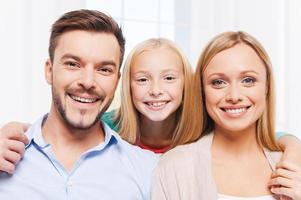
<point x="127" y="116"/>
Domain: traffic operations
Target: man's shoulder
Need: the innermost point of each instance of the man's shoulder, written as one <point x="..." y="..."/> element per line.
<point x="129" y="150"/>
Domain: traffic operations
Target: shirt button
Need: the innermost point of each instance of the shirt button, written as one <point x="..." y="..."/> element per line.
<point x="69" y="184"/>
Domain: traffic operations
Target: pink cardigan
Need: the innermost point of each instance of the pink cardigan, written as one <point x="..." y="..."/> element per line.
<point x="185" y="172"/>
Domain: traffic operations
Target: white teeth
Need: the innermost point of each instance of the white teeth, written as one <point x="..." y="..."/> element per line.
<point x="156" y="104"/>
<point x="83" y="100"/>
<point x="235" y="111"/>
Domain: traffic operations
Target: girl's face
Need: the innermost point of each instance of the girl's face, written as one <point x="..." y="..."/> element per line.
<point x="157" y="83"/>
<point x="235" y="88"/>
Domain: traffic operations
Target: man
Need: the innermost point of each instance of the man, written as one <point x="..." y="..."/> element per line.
<point x="70" y="155"/>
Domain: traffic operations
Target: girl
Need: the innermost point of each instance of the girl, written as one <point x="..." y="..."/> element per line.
<point x="237" y="152"/>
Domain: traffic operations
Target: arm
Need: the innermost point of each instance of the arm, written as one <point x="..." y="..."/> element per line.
<point x="12" y="145"/>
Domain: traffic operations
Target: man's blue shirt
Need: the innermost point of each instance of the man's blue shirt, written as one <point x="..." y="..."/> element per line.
<point x="113" y="170"/>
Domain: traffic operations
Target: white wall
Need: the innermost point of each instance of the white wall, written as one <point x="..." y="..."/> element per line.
<point x="25" y="26"/>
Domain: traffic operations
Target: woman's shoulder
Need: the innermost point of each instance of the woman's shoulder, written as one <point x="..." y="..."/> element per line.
<point x="187" y="153"/>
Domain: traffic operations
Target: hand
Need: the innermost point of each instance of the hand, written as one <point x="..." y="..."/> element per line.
<point x="286" y="180"/>
<point x="12" y="145"/>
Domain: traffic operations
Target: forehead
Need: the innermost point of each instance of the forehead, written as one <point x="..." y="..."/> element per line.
<point x="235" y="60"/>
<point x="158" y="59"/>
<point x="89" y="46"/>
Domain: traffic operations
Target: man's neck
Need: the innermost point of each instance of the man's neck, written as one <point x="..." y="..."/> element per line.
<point x="68" y="143"/>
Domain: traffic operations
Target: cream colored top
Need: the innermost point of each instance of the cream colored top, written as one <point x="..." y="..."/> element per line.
<point x="227" y="197"/>
<point x="185" y="172"/>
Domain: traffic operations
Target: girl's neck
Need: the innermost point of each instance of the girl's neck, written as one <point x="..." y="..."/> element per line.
<point x="157" y="134"/>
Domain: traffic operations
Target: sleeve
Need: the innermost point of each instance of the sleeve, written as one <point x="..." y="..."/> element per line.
<point x="108" y="118"/>
<point x="279" y="134"/>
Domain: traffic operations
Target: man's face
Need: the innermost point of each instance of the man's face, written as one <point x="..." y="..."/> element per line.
<point x="83" y="75"/>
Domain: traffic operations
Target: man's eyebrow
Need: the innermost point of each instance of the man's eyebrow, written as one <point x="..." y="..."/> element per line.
<point x="77" y="58"/>
<point x="66" y="56"/>
<point x="108" y="62"/>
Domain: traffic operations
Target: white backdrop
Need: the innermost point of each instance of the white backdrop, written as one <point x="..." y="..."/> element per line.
<point x="25" y="26"/>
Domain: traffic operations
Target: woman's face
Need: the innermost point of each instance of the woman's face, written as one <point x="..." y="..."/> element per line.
<point x="157" y="83"/>
<point x="235" y="88"/>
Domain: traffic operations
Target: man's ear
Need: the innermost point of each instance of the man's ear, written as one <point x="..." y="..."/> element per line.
<point x="48" y="71"/>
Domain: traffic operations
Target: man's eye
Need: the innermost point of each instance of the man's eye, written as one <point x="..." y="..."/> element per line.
<point x="71" y="64"/>
<point x="105" y="70"/>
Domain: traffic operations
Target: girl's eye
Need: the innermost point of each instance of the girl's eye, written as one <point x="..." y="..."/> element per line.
<point x="169" y="78"/>
<point x="218" y="83"/>
<point x="141" y="80"/>
<point x="249" y="81"/>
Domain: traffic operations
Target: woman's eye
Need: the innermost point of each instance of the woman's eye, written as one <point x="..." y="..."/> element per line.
<point x="218" y="83"/>
<point x="249" y="81"/>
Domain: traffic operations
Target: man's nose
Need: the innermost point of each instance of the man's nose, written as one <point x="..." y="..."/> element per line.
<point x="87" y="79"/>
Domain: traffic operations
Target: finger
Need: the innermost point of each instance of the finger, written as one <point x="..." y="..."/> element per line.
<point x="282" y="197"/>
<point x="283" y="173"/>
<point x="14" y="134"/>
<point x="281" y="181"/>
<point x="26" y="127"/>
<point x="283" y="191"/>
<point x="20" y="137"/>
<point x="7" y="166"/>
<point x="16" y="146"/>
<point x="12" y="157"/>
<point x="288" y="165"/>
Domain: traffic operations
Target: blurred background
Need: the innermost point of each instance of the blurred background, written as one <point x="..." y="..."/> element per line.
<point x="25" y="28"/>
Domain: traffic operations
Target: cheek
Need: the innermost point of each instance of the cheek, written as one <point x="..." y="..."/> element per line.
<point x="108" y="84"/>
<point x="212" y="97"/>
<point x="258" y="95"/>
<point x="138" y="92"/>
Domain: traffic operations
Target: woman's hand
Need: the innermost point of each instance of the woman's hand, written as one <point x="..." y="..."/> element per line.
<point x="286" y="180"/>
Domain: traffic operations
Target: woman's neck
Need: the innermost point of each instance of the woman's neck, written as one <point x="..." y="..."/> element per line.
<point x="157" y="134"/>
<point x="238" y="143"/>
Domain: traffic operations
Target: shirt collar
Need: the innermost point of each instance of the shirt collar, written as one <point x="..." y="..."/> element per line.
<point x="34" y="135"/>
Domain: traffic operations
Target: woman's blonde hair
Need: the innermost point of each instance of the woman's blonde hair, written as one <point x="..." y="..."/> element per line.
<point x="265" y="124"/>
<point x="127" y="116"/>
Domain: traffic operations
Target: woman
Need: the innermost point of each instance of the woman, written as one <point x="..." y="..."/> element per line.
<point x="237" y="152"/>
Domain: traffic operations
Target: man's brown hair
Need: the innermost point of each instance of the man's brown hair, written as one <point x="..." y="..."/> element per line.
<point x="87" y="20"/>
